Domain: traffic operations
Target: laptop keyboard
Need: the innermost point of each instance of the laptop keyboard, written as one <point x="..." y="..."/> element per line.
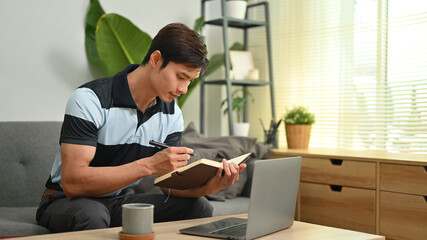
<point x="236" y="230"/>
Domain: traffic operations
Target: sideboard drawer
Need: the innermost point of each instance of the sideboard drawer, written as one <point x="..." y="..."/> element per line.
<point x="343" y="207"/>
<point x="403" y="216"/>
<point x="339" y="172"/>
<point x="403" y="178"/>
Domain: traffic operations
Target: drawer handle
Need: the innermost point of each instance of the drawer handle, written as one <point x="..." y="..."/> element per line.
<point x="425" y="198"/>
<point x="337" y="162"/>
<point x="335" y="188"/>
<point x="425" y="169"/>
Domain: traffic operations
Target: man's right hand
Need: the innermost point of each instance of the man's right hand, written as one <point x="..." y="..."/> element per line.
<point x="168" y="160"/>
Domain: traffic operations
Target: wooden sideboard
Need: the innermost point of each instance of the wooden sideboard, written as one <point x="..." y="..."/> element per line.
<point x="363" y="190"/>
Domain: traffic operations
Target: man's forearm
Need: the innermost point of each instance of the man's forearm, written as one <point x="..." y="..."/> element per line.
<point x="97" y="181"/>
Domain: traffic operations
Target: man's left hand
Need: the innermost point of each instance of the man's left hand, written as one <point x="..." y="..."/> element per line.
<point x="225" y="177"/>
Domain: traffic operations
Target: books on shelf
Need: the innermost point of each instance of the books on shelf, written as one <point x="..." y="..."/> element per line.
<point x="195" y="174"/>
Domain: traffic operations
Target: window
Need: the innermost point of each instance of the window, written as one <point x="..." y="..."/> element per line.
<point x="359" y="65"/>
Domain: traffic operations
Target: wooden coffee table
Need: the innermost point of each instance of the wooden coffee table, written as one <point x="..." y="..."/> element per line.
<point x="170" y="230"/>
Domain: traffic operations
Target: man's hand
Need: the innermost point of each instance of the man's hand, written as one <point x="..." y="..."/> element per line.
<point x="215" y="184"/>
<point x="168" y="160"/>
<point x="225" y="177"/>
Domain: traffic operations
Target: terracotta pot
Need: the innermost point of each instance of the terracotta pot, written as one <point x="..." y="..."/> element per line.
<point x="298" y="135"/>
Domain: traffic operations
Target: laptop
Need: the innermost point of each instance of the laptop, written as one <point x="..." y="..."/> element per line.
<point x="271" y="205"/>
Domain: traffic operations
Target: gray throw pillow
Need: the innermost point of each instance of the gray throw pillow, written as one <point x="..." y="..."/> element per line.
<point x="217" y="148"/>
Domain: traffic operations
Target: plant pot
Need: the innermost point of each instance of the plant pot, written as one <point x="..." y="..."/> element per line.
<point x="298" y="135"/>
<point x="241" y="129"/>
<point x="236" y="9"/>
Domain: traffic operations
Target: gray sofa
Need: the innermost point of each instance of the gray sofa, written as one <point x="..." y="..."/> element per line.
<point x="27" y="151"/>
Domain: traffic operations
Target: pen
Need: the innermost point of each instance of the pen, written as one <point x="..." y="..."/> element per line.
<point x="163" y="146"/>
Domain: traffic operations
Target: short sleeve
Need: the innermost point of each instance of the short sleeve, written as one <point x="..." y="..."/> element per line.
<point x="83" y="117"/>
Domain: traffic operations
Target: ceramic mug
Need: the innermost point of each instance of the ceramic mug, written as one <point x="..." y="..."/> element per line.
<point x="137" y="218"/>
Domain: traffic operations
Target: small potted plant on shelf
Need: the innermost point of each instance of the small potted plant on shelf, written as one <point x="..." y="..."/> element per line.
<point x="298" y="123"/>
<point x="240" y="128"/>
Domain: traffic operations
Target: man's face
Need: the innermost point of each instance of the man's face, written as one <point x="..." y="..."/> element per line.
<point x="173" y="80"/>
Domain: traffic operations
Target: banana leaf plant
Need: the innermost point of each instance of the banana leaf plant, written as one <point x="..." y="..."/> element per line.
<point x="94" y="13"/>
<point x="113" y="42"/>
<point x="118" y="42"/>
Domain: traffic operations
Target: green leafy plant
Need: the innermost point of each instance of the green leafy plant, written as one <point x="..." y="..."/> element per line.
<point x="94" y="13"/>
<point x="113" y="42"/>
<point x="299" y="115"/>
<point x="238" y="102"/>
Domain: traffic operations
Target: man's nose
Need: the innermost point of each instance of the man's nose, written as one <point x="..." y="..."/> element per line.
<point x="182" y="88"/>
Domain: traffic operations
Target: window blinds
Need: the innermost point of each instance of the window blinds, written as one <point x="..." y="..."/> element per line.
<point x="359" y="65"/>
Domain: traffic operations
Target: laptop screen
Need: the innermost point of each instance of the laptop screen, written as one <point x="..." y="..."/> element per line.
<point x="272" y="203"/>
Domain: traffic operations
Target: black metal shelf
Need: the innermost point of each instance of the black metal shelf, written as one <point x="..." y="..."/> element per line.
<point x="236" y="23"/>
<point x="244" y="24"/>
<point x="247" y="83"/>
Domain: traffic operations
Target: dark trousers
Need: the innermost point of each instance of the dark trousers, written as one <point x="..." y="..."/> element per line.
<point x="60" y="214"/>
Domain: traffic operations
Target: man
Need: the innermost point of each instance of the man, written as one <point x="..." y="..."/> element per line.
<point x="104" y="149"/>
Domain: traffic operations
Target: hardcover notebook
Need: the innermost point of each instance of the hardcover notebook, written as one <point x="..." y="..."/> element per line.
<point x="195" y="174"/>
<point x="271" y="207"/>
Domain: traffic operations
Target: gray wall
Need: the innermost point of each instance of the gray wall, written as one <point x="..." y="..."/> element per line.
<point x="43" y="59"/>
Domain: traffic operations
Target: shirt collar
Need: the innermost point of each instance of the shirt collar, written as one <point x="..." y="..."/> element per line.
<point x="121" y="92"/>
<point x="122" y="96"/>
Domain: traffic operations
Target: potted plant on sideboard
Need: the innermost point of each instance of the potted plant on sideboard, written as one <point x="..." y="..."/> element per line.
<point x="298" y="123"/>
<point x="240" y="128"/>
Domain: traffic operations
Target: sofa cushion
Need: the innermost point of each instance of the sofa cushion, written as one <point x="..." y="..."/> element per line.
<point x="231" y="206"/>
<point x="27" y="151"/>
<point x="250" y="165"/>
<point x="19" y="221"/>
<point x="217" y="148"/>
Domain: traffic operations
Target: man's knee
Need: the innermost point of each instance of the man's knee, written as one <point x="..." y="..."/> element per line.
<point x="201" y="208"/>
<point x="65" y="215"/>
<point x="91" y="216"/>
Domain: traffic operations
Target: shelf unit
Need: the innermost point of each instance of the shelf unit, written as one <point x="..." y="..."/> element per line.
<point x="244" y="24"/>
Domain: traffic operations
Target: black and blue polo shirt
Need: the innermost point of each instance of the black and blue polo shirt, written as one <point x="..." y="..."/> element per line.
<point x="103" y="114"/>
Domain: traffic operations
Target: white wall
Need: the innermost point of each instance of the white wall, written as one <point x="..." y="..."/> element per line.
<point x="42" y="53"/>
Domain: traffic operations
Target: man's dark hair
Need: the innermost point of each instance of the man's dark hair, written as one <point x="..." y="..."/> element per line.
<point x="179" y="44"/>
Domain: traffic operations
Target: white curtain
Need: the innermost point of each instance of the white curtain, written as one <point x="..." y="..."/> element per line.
<point x="359" y="65"/>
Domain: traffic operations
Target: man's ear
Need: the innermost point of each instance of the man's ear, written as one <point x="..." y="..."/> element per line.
<point x="156" y="59"/>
